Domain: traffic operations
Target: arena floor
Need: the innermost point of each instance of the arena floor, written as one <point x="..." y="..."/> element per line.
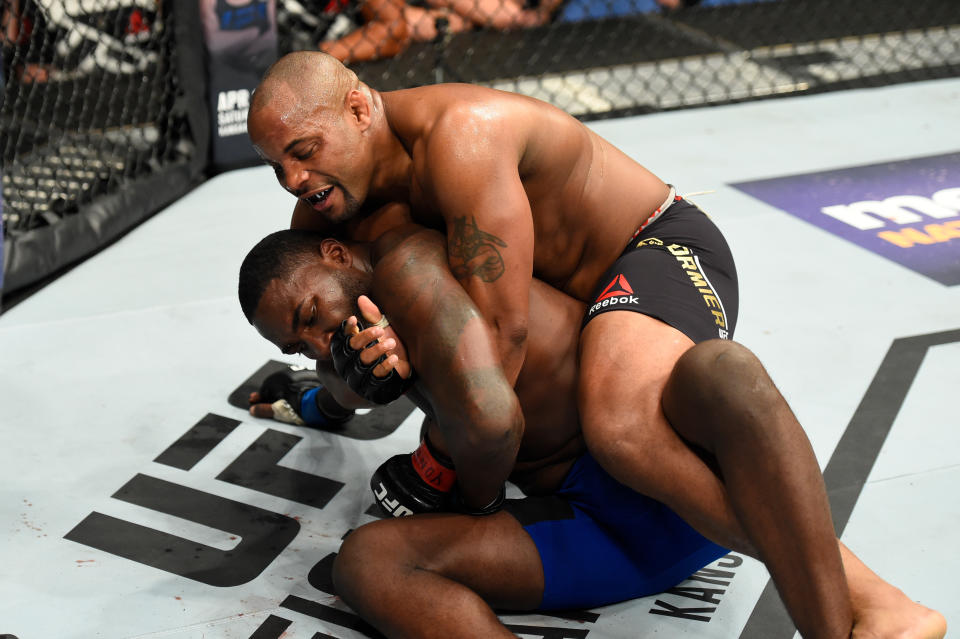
<point x="138" y="502"/>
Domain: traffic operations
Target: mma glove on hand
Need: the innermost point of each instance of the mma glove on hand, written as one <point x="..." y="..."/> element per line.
<point x="422" y="482"/>
<point x="298" y="397"/>
<point x="359" y="376"/>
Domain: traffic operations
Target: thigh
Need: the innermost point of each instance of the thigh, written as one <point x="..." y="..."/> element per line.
<point x="493" y="555"/>
<point x="675" y="285"/>
<point x="626" y="359"/>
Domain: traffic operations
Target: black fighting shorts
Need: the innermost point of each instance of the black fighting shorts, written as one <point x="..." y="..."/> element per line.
<point x="677" y="269"/>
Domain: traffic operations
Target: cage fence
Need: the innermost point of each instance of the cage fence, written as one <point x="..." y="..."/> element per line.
<point x="104" y="117"/>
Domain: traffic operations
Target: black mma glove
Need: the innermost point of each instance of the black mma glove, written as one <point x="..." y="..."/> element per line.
<point x="299" y="398"/>
<point x="420" y="482"/>
<point x="359" y="376"/>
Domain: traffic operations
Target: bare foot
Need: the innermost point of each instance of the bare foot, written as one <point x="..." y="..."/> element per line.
<point x="895" y="616"/>
<point x="882" y="611"/>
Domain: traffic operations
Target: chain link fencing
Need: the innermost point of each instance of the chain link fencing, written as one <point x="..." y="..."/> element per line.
<point x="103" y="119"/>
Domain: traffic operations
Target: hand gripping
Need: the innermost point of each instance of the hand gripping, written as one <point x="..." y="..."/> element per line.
<point x="359" y="376"/>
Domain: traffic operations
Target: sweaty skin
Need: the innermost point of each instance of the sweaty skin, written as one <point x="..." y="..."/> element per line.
<point x="494" y="169"/>
<point x="459" y="384"/>
<point x="461" y="562"/>
<point x="521" y="190"/>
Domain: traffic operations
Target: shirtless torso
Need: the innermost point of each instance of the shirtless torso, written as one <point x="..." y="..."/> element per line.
<point x="522" y="190"/>
<point x="546" y="386"/>
<point x="584" y="196"/>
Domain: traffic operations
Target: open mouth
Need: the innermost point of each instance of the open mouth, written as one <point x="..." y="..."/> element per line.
<point x="320" y="197"/>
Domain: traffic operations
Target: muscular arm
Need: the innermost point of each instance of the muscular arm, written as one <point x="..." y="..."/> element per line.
<point x="449" y="344"/>
<point x="475" y="183"/>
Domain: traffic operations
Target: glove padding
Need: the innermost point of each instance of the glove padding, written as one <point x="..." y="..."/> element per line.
<point x="419" y="482"/>
<point x="423" y="482"/>
<point x="359" y="376"/>
<point x="298" y="397"/>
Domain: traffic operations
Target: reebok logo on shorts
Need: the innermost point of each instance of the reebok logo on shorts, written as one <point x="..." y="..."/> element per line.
<point x="618" y="291"/>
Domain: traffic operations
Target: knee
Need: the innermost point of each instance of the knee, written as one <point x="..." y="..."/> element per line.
<point x="359" y="564"/>
<point x="723" y="386"/>
<point x="630" y="452"/>
<point x="721" y="368"/>
<point x="622" y="431"/>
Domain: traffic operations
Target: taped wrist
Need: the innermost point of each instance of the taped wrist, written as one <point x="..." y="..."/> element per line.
<point x="434" y="468"/>
<point x="417" y="482"/>
<point x="318" y="407"/>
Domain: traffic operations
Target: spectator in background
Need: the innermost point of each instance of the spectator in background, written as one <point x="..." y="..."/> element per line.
<point x="389" y="26"/>
<point x="239" y="33"/>
<point x="51" y="42"/>
<point x="20" y="22"/>
<point x="675" y="5"/>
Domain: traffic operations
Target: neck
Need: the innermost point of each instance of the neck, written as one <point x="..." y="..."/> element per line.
<point x="362" y="259"/>
<point x="392" y="172"/>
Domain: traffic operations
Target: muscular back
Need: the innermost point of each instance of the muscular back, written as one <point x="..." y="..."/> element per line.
<point x="586" y="198"/>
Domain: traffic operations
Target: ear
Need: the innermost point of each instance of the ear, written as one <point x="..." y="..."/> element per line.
<point x="336" y="252"/>
<point x="358" y="107"/>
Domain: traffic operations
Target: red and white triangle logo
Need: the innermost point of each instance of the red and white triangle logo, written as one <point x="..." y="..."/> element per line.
<point x="619" y="286"/>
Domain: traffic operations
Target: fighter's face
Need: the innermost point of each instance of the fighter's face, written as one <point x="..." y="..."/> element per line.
<point x="300" y="314"/>
<point x="317" y="155"/>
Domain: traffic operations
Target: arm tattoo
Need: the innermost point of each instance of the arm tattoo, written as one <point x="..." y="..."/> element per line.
<point x="474" y="252"/>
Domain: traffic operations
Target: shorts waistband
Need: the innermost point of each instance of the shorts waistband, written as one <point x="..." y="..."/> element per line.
<point x="671" y="199"/>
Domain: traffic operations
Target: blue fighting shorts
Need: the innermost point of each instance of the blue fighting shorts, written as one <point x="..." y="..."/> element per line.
<point x="601" y="542"/>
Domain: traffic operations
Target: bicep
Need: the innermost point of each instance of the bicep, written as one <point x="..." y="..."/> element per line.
<point x="490" y="238"/>
<point x="447" y="339"/>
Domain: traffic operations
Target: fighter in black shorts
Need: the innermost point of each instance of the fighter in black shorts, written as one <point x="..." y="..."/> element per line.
<point x="579" y="540"/>
<point x="678" y="269"/>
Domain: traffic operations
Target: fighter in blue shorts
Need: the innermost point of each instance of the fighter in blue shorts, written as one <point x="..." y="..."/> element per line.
<point x="600" y="542"/>
<point x="578" y="539"/>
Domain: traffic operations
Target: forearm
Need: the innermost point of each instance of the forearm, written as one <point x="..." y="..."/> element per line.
<point x="506" y="315"/>
<point x="459" y="371"/>
<point x="512" y="348"/>
<point x="484" y="463"/>
<point x="479" y="422"/>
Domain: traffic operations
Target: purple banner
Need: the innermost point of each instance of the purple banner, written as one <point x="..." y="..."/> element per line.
<point x="907" y="211"/>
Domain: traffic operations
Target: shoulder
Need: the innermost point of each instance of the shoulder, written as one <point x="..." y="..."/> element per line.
<point x="407" y="248"/>
<point x="472" y="117"/>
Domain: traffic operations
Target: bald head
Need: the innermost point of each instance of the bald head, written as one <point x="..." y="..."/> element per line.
<point x="302" y="82"/>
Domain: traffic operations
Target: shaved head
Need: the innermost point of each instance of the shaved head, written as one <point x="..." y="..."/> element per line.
<point x="300" y="83"/>
<point x="314" y="123"/>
